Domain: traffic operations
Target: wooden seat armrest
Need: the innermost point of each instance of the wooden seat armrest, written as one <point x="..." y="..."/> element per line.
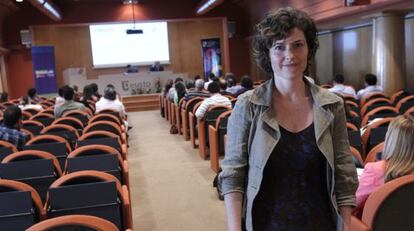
<point x="126" y="207"/>
<point x="214" y="148"/>
<point x="124" y="150"/>
<point x="125" y="173"/>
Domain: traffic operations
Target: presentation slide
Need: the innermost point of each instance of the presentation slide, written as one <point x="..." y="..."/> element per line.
<point x="113" y="47"/>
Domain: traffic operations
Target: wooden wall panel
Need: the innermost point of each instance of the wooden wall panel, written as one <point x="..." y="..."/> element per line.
<point x="409" y="54"/>
<point x="353" y="54"/>
<point x="73" y="48"/>
<point x="324" y="59"/>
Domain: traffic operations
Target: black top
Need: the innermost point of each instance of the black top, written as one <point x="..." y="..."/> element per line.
<point x="293" y="193"/>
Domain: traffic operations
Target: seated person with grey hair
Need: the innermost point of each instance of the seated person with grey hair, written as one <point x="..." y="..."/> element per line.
<point x="197" y="92"/>
<point x="69" y="104"/>
<point x="110" y="101"/>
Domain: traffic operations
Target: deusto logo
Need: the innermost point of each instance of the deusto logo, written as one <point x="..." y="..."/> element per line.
<point x="44" y="73"/>
<point x="125" y="85"/>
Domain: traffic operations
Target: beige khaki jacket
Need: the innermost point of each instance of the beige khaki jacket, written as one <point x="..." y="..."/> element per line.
<point x="253" y="132"/>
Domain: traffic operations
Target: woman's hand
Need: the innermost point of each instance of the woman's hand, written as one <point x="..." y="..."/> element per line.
<point x="346" y="212"/>
<point x="233" y="202"/>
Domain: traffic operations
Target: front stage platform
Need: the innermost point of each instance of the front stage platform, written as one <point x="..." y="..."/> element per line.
<point x="145" y="102"/>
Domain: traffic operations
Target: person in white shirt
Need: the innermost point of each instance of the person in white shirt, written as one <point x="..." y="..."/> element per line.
<point x="110" y="101"/>
<point x="211" y="78"/>
<point x="26" y="104"/>
<point x="59" y="98"/>
<point x="370" y="86"/>
<point x="215" y="99"/>
<point x="340" y="88"/>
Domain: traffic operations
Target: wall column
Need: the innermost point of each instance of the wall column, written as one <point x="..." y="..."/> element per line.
<point x="388" y="49"/>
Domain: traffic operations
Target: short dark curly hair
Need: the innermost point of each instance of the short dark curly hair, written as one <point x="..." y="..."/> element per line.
<point x="277" y="25"/>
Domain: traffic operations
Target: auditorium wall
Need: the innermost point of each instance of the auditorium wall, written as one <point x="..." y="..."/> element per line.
<point x="73" y="47"/>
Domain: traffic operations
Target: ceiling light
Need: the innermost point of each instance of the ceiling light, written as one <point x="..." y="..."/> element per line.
<point x="19" y="0"/>
<point x="208" y="5"/>
<point x="130" y="2"/>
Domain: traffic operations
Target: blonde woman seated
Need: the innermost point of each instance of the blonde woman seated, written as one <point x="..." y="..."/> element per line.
<point x="397" y="159"/>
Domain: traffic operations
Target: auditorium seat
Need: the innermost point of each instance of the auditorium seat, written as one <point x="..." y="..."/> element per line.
<point x="32" y="111"/>
<point x="6" y="149"/>
<point x="216" y="134"/>
<point x="405" y="103"/>
<point x="366" y="135"/>
<point x="210" y="117"/>
<point x="106" y="126"/>
<point x="179" y="119"/>
<point x="192" y="123"/>
<point x="98" y="157"/>
<point x="111" y="112"/>
<point x="26" y="115"/>
<point x="21" y="206"/>
<point x="356" y="156"/>
<point x="108" y="117"/>
<point x="371" y="96"/>
<point x="33" y="126"/>
<point x="78" y="114"/>
<point x="372" y="155"/>
<point x="44" y="118"/>
<point x="35" y="168"/>
<point x="184" y="114"/>
<point x="71" y="121"/>
<point x="388" y="208"/>
<point x="379" y="112"/>
<point x="105" y="138"/>
<point x="90" y="193"/>
<point x="397" y="96"/>
<point x="53" y="144"/>
<point x="74" y="222"/>
<point x="374" y="103"/>
<point x="65" y="131"/>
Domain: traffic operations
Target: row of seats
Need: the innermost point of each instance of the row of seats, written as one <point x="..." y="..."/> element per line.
<point x="76" y="164"/>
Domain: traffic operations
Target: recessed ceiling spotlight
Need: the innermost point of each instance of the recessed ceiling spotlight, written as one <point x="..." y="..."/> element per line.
<point x="130" y="2"/>
<point x="19" y="0"/>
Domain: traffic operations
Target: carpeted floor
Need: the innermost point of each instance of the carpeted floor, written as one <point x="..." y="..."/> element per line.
<point x="171" y="186"/>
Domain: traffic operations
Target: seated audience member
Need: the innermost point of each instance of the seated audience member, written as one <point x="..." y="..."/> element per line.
<point x="69" y="103"/>
<point x="370" y="86"/>
<point x="4" y="97"/>
<point x="171" y="92"/>
<point x="95" y="90"/>
<point x="179" y="92"/>
<point x="246" y="84"/>
<point x="131" y="69"/>
<point x="33" y="98"/>
<point x="189" y="84"/>
<point x="232" y="88"/>
<point x="223" y="87"/>
<point x="26" y="104"/>
<point x="10" y="129"/>
<point x="59" y="99"/>
<point x="215" y="99"/>
<point x="88" y="95"/>
<point x="168" y="85"/>
<point x="78" y="95"/>
<point x="397" y="159"/>
<point x="156" y="66"/>
<point x="211" y="78"/>
<point x="340" y="88"/>
<point x="110" y="101"/>
<point x="198" y="91"/>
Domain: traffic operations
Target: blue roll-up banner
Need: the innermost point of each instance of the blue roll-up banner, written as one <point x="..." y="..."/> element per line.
<point x="211" y="57"/>
<point x="44" y="70"/>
